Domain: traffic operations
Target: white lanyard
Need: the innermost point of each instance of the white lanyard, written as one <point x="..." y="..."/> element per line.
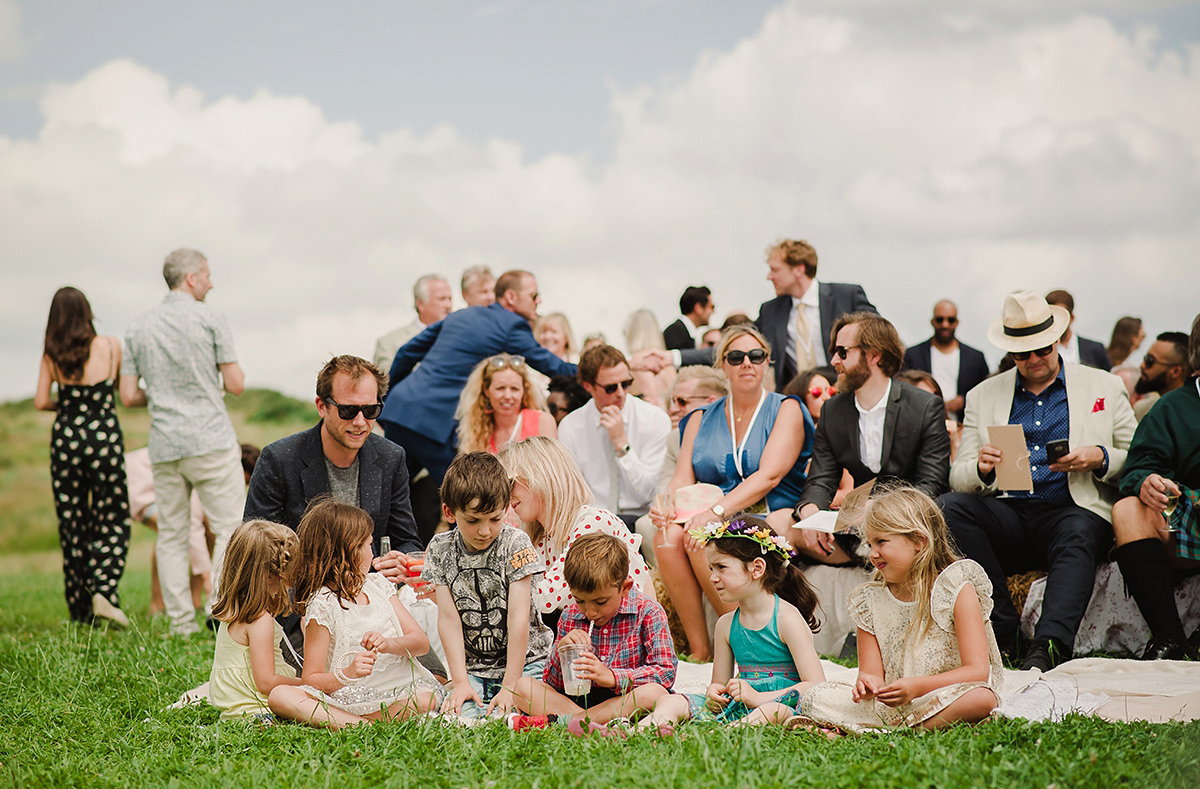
<point x="738" y="449"/>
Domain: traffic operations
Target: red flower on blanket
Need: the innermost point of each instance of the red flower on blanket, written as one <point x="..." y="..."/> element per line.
<point x="1098" y="405"/>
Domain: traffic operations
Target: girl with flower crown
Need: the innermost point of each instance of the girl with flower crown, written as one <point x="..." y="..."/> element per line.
<point x="768" y="635"/>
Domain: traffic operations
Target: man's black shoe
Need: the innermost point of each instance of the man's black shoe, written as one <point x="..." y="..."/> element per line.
<point x="1045" y="654"/>
<point x="1168" y="649"/>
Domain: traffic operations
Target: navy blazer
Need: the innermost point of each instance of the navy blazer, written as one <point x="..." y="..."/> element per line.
<point x="916" y="446"/>
<point x="835" y="300"/>
<point x="1094" y="354"/>
<point x="423" y="399"/>
<point x="972" y="366"/>
<point x="676" y="337"/>
<point x="291" y="473"/>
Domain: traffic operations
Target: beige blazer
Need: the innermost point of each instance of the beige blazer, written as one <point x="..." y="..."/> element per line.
<point x="1100" y="415"/>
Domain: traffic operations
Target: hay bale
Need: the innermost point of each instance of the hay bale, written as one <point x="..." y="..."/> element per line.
<point x="677" y="634"/>
<point x="1018" y="587"/>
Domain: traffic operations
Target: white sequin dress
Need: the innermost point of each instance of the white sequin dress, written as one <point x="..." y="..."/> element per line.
<point x="394" y="677"/>
<point x="878" y="612"/>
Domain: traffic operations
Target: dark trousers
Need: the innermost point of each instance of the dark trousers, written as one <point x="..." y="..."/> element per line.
<point x="422" y="452"/>
<point x="1010" y="536"/>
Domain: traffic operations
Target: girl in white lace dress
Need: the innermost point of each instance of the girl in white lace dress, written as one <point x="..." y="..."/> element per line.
<point x="927" y="655"/>
<point x="359" y="640"/>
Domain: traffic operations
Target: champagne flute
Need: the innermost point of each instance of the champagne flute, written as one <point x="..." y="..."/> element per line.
<point x="664" y="501"/>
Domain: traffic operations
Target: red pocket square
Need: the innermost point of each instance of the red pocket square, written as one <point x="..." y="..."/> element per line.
<point x="1098" y="405"/>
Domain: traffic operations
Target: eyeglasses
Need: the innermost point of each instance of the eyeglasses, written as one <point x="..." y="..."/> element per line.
<point x="840" y="351"/>
<point x="817" y="391"/>
<point x="612" y="388"/>
<point x="944" y="319"/>
<point x="349" y="412"/>
<point x="1149" y="361"/>
<point x="500" y="361"/>
<point x="682" y="402"/>
<point x="1021" y="356"/>
<point x="757" y="356"/>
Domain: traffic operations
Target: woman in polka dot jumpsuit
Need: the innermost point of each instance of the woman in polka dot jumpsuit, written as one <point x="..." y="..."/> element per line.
<point x="86" y="457"/>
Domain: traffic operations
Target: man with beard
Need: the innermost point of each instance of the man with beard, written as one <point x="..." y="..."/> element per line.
<point x="956" y="366"/>
<point x="875" y="428"/>
<point x="1164" y="369"/>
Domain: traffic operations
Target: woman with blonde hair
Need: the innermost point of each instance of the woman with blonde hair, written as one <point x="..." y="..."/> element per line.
<point x="755" y="446"/>
<point x="498" y="405"/>
<point x="642" y="333"/>
<point x="554" y="503"/>
<point x="553" y="332"/>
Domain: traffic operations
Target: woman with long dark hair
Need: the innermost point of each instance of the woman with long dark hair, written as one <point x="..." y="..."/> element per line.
<point x="86" y="457"/>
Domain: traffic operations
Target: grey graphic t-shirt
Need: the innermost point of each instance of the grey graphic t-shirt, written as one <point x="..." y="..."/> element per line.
<point x="479" y="581"/>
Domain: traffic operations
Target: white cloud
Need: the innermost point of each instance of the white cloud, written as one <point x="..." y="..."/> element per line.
<point x="959" y="157"/>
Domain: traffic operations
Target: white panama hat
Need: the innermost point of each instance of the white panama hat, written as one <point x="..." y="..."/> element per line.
<point x="1028" y="322"/>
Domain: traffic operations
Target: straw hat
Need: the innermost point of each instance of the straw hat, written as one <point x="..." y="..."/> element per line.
<point x="691" y="500"/>
<point x="1028" y="322"/>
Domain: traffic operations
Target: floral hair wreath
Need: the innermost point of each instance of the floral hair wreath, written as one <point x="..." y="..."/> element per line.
<point x="767" y="540"/>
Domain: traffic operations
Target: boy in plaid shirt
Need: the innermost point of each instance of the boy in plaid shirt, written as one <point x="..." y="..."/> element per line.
<point x="631" y="662"/>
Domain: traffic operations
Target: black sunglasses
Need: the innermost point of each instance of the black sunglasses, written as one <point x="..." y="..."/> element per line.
<point x="348" y="412"/>
<point x="757" y="356"/>
<point x="1021" y="356"/>
<point x="612" y="388"/>
<point x="944" y="319"/>
<point x="840" y="351"/>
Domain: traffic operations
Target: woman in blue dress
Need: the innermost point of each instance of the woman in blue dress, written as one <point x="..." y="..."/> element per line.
<point x="755" y="446"/>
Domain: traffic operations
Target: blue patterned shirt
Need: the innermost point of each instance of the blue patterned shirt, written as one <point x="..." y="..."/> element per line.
<point x="1045" y="417"/>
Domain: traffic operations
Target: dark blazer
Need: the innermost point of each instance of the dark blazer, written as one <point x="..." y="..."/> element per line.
<point x="972" y="367"/>
<point x="291" y="473"/>
<point x="1094" y="354"/>
<point x="916" y="446"/>
<point x="835" y="299"/>
<point x="423" y="399"/>
<point x="677" y="337"/>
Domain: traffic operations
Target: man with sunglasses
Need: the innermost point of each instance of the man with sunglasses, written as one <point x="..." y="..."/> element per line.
<point x="956" y="366"/>
<point x="1164" y="369"/>
<point x="618" y="441"/>
<point x="1063" y="524"/>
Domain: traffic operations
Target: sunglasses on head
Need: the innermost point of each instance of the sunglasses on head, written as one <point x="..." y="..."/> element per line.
<point x="612" y="388"/>
<point x="817" y="391"/>
<point x="500" y="361"/>
<point x="349" y="412"/>
<point x="1021" y="356"/>
<point x="757" y="356"/>
<point x="840" y="351"/>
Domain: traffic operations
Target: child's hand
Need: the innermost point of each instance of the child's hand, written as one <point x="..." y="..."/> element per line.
<point x="588" y="666"/>
<point x="459" y="695"/>
<point x="866" y="687"/>
<point x="502" y="701"/>
<point x="576" y="637"/>
<point x="717" y="696"/>
<point x="374" y="641"/>
<point x="362" y="665"/>
<point x="391" y="565"/>
<point x="741" y="690"/>
<point x="899" y="692"/>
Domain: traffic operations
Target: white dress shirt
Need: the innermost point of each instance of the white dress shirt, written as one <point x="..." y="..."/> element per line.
<point x="944" y="369"/>
<point x="1069" y="350"/>
<point x="646" y="429"/>
<point x="870" y="431"/>
<point x="812" y="305"/>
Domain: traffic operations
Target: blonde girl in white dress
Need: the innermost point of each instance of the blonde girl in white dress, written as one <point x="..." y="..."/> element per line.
<point x="927" y="655"/>
<point x="359" y="640"/>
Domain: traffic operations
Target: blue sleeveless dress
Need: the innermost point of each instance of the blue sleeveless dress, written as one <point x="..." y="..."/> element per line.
<point x="712" y="451"/>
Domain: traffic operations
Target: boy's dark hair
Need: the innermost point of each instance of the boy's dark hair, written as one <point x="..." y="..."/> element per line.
<point x="595" y="561"/>
<point x="476" y="481"/>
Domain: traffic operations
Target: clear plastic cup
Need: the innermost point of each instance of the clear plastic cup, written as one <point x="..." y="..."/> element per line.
<point x="573" y="685"/>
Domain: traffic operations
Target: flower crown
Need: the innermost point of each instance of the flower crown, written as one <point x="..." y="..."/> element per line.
<point x="767" y="540"/>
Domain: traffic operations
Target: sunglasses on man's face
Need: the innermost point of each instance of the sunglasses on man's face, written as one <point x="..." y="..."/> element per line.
<point x="1149" y="361"/>
<point x="1021" y="356"/>
<point x="840" y="351"/>
<point x="735" y="358"/>
<point x="944" y="319"/>
<point x="612" y="388"/>
<point x="817" y="391"/>
<point x="349" y="412"/>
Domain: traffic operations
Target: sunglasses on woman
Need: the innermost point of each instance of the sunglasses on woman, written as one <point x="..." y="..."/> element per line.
<point x="735" y="358"/>
<point x="348" y="412"/>
<point x="1021" y="356"/>
<point x="817" y="391"/>
<point x="503" y="360"/>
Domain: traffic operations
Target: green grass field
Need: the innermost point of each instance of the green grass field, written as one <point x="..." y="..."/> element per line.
<point x="86" y="707"/>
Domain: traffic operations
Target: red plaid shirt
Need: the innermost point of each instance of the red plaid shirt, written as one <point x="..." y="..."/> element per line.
<point x="636" y="644"/>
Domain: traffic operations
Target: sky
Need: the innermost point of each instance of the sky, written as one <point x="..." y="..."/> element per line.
<point x="324" y="155"/>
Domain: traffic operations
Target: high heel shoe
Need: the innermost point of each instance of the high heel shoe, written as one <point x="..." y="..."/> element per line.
<point x="102" y="609"/>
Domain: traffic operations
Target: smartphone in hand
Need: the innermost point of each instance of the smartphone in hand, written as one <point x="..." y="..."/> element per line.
<point x="1055" y="450"/>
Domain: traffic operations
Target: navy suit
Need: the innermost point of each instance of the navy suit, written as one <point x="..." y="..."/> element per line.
<point x="916" y="446"/>
<point x="1093" y="354"/>
<point x="972" y="366"/>
<point x="676" y="337"/>
<point x="835" y="299"/>
<point x="418" y="413"/>
<point x="291" y="473"/>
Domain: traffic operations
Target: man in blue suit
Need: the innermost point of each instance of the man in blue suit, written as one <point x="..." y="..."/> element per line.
<point x="957" y="367"/>
<point x="419" y="411"/>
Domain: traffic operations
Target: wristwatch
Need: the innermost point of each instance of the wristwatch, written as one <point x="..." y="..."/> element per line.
<point x="718" y="510"/>
<point x="623" y="451"/>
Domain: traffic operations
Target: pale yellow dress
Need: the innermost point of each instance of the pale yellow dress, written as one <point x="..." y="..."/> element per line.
<point x="878" y="612"/>
<point x="231" y="685"/>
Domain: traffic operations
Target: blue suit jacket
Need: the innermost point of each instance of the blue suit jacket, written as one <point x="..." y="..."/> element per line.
<point x="291" y="473"/>
<point x="1094" y="354"/>
<point x="423" y="399"/>
<point x="835" y="300"/>
<point x="972" y="366"/>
